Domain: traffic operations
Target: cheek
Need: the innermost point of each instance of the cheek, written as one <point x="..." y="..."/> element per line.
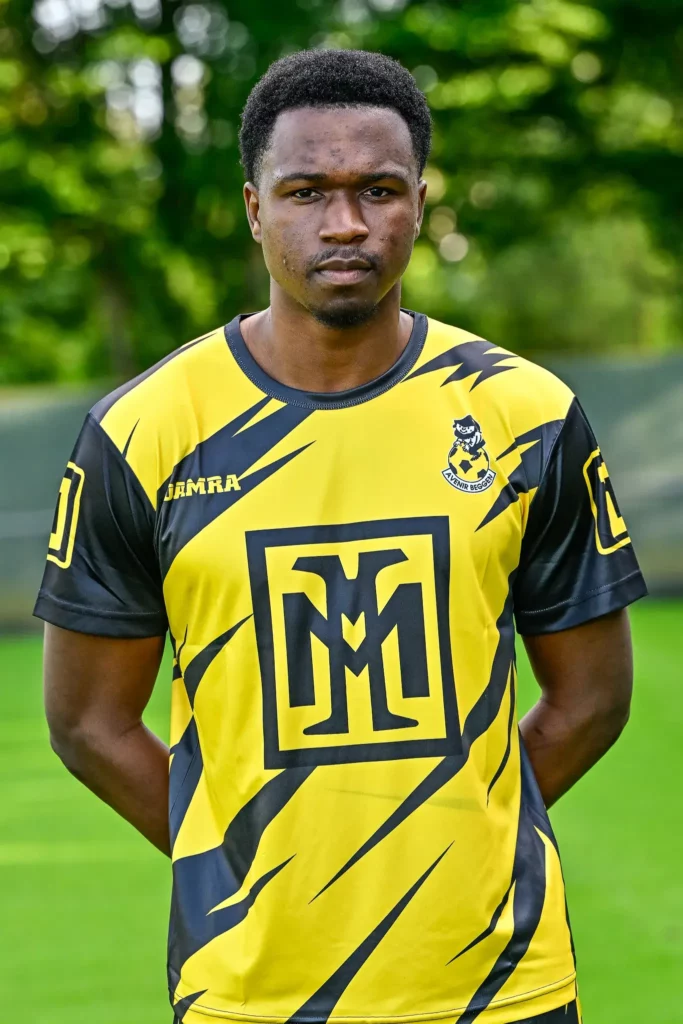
<point x="397" y="235"/>
<point x="398" y="224"/>
<point x="282" y="244"/>
<point x="275" y="250"/>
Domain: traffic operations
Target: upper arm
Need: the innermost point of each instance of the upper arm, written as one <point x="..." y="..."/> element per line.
<point x="589" y="667"/>
<point x="97" y="683"/>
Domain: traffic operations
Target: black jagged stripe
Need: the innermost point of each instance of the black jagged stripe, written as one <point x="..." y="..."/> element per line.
<point x="233" y="449"/>
<point x="177" y="651"/>
<point x="486" y="709"/>
<point x="529" y="876"/>
<point x="478" y="721"/>
<point x="246" y="828"/>
<point x="527" y="475"/>
<point x="195" y="671"/>
<point x="184" y="1004"/>
<point x="184" y="775"/>
<point x="223" y="920"/>
<point x="447" y="769"/>
<point x="530" y="786"/>
<point x="320" y="1005"/>
<point x="203" y="880"/>
<point x="188" y="764"/>
<point x="508" y="745"/>
<point x="469" y="357"/>
<point x="491" y="926"/>
<point x="126" y="446"/>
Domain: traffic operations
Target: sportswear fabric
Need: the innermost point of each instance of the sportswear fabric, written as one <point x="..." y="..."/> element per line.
<point x="562" y="1015"/>
<point x="357" y="833"/>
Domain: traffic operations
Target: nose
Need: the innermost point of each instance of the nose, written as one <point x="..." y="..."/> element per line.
<point x="343" y="220"/>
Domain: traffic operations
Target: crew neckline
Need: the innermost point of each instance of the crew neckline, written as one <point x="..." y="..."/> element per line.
<point x="326" y="399"/>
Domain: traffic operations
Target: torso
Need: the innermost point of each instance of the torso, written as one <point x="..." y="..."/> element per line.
<point x="356" y="833"/>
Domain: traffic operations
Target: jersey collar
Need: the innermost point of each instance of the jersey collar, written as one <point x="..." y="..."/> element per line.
<point x="327" y="399"/>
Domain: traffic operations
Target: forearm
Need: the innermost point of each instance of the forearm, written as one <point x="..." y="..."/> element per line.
<point x="129" y="771"/>
<point x="563" y="745"/>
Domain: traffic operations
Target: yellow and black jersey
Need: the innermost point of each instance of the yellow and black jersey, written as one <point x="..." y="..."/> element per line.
<point x="357" y="833"/>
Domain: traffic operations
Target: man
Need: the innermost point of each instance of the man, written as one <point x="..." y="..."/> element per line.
<point x="336" y="507"/>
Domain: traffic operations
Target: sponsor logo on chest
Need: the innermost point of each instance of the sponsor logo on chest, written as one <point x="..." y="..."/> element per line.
<point x="202" y="485"/>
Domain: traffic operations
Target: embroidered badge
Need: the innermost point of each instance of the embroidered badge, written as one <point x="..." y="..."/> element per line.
<point x="469" y="468"/>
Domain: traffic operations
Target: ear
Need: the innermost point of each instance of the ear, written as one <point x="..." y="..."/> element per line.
<point x="421" y="196"/>
<point x="251" y="202"/>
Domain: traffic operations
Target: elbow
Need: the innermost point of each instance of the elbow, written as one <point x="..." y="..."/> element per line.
<point x="64" y="745"/>
<point x="70" y="742"/>
<point x="599" y="719"/>
<point x="613" y="718"/>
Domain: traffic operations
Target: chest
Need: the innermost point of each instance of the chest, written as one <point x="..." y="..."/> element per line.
<point x="354" y="502"/>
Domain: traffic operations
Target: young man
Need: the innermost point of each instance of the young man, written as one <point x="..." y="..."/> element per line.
<point x="336" y="507"/>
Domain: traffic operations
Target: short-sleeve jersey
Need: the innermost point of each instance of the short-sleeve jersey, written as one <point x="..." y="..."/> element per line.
<point x="357" y="833"/>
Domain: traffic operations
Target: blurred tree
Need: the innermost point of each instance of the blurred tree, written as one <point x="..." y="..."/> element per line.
<point x="556" y="183"/>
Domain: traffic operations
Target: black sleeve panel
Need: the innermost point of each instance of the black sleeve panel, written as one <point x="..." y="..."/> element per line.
<point x="577" y="561"/>
<point x="102" y="575"/>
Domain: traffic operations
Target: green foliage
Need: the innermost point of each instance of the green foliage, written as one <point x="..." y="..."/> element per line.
<point x="556" y="182"/>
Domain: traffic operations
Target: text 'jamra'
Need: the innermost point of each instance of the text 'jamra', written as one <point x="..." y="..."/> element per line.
<point x="202" y="485"/>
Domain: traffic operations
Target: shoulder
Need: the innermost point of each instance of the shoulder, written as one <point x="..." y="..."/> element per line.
<point x="523" y="392"/>
<point x="160" y="416"/>
<point x="159" y="387"/>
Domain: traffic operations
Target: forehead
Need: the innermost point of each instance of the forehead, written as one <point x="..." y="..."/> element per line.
<point x="334" y="140"/>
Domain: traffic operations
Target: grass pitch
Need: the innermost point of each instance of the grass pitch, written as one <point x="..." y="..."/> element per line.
<point x="84" y="900"/>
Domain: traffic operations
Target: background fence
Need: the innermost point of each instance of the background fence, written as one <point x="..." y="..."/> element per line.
<point x="634" y="406"/>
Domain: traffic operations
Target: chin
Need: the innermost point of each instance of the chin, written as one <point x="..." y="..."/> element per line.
<point x="344" y="315"/>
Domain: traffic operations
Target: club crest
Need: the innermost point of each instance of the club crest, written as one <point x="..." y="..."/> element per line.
<point x="469" y="468"/>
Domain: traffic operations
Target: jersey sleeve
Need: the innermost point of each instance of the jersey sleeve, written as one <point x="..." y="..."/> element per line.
<point x="577" y="560"/>
<point x="102" y="575"/>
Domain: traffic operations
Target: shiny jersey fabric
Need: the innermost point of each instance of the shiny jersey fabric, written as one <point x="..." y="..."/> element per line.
<point x="357" y="834"/>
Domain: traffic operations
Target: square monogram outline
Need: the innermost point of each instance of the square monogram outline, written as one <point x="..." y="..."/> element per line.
<point x="257" y="543"/>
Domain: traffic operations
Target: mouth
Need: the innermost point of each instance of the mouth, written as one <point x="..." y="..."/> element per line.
<point x="344" y="271"/>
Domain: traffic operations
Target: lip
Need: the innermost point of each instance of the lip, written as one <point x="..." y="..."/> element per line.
<point x="340" y="271"/>
<point x="339" y="264"/>
<point x="346" y="275"/>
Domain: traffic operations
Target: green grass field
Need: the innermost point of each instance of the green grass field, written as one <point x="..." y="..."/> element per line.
<point x="84" y="901"/>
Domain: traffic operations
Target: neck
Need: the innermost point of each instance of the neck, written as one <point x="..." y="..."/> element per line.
<point x="293" y="348"/>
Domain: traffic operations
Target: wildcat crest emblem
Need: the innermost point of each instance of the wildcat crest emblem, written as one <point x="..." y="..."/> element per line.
<point x="469" y="468"/>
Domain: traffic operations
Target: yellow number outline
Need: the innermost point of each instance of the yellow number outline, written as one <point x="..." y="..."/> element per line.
<point x="619" y="544"/>
<point x="57" y="536"/>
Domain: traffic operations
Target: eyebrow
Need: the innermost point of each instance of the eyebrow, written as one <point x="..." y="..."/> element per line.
<point x="286" y="179"/>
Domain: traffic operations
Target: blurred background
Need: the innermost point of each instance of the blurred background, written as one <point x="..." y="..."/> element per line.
<point x="554" y="228"/>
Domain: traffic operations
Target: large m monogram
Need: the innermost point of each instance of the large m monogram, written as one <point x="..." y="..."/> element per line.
<point x="354" y="598"/>
<point x="353" y="636"/>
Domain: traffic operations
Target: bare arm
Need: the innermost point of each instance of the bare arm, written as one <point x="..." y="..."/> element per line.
<point x="96" y="689"/>
<point x="586" y="677"/>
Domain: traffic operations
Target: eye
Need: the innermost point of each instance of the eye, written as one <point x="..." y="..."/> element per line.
<point x="379" y="192"/>
<point x="304" y="193"/>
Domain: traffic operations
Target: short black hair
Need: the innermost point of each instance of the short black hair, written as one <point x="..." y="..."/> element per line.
<point x="322" y="78"/>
